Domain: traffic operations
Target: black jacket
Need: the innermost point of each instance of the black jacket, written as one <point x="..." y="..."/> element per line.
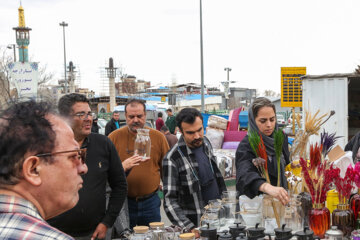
<point x="104" y="166"/>
<point x="353" y="145"/>
<point x="110" y="126"/>
<point x="248" y="179"/>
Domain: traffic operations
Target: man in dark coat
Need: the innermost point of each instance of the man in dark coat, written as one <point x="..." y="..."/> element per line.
<point x="113" y="124"/>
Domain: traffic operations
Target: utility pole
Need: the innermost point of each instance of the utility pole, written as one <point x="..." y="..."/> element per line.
<point x="226" y="87"/>
<point x="64" y="24"/>
<point x="202" y="63"/>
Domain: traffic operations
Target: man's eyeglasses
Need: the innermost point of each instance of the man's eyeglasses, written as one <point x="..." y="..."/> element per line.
<point x="81" y="154"/>
<point x="83" y="115"/>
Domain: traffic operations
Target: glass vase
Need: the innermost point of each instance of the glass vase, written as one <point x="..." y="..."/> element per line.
<point x="273" y="214"/>
<point x="343" y="218"/>
<point x="355" y="204"/>
<point x="294" y="217"/>
<point x="306" y="205"/>
<point x="319" y="219"/>
<point x="142" y="145"/>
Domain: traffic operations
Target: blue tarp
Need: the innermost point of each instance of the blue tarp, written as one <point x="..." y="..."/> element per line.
<point x="149" y="107"/>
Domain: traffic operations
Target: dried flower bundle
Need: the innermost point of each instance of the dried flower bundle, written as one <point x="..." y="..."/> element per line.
<point x="345" y="185"/>
<point x="293" y="182"/>
<point x="318" y="174"/>
<point x="327" y="141"/>
<point x="258" y="147"/>
<point x="312" y="127"/>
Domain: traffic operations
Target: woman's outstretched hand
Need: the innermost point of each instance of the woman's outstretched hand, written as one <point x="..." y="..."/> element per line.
<point x="277" y="192"/>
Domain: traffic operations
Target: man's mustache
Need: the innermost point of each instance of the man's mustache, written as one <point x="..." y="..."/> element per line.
<point x="197" y="140"/>
<point x="136" y="124"/>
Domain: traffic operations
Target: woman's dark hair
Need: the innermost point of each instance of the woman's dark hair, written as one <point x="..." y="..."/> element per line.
<point x="24" y="128"/>
<point x="67" y="101"/>
<point x="260" y="103"/>
<point x="187" y="115"/>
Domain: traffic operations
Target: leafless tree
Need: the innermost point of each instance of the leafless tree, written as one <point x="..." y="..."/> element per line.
<point x="271" y="93"/>
<point x="8" y="92"/>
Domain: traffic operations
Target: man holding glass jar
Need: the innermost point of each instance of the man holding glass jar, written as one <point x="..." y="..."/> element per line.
<point x="191" y="177"/>
<point x="143" y="174"/>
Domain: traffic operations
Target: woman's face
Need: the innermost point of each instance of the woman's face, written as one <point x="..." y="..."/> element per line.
<point x="265" y="120"/>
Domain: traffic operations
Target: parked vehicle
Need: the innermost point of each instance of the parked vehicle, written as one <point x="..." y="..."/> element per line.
<point x="280" y="119"/>
<point x="102" y="123"/>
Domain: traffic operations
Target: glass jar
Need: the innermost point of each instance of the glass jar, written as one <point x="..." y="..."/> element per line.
<point x="216" y="205"/>
<point x="306" y="205"/>
<point x="343" y="218"/>
<point x="355" y="204"/>
<point x="294" y="217"/>
<point x="332" y="200"/>
<point x="251" y="210"/>
<point x="319" y="219"/>
<point x="211" y="218"/>
<point x="230" y="202"/>
<point x="273" y="213"/>
<point x="334" y="234"/>
<point x="187" y="236"/>
<point x="160" y="232"/>
<point x="142" y="146"/>
<point x="140" y="233"/>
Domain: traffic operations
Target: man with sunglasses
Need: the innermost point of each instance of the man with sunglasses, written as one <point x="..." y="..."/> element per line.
<point x="90" y="218"/>
<point x="37" y="153"/>
<point x="143" y="176"/>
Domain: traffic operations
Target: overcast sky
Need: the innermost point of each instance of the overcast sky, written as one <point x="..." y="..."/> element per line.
<point x="158" y="40"/>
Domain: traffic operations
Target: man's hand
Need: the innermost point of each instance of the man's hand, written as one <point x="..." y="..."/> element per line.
<point x="100" y="232"/>
<point x="131" y="162"/>
<point x="277" y="192"/>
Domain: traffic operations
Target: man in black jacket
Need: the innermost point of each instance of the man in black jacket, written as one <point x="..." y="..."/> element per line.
<point x="113" y="124"/>
<point x="90" y="218"/>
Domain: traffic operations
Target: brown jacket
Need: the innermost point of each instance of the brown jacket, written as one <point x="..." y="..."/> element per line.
<point x="171" y="139"/>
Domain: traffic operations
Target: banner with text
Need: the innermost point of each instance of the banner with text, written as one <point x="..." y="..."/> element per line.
<point x="25" y="76"/>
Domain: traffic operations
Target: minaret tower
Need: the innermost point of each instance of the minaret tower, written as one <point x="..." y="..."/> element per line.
<point x="22" y="36"/>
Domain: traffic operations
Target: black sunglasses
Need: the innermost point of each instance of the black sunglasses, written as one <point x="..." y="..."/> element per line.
<point x="81" y="154"/>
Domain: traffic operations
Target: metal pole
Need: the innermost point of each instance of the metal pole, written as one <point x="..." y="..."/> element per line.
<point x="63" y="24"/>
<point x="202" y="62"/>
<point x="14" y="47"/>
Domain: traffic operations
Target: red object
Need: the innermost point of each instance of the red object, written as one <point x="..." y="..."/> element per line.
<point x="319" y="220"/>
<point x="355" y="204"/>
<point x="234" y="136"/>
<point x="234" y="120"/>
<point x="159" y="123"/>
<point x="262" y="151"/>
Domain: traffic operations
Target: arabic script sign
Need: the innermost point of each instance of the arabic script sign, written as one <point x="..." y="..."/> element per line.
<point x="25" y="78"/>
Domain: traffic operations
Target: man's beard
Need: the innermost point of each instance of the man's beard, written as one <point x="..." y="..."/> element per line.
<point x="197" y="142"/>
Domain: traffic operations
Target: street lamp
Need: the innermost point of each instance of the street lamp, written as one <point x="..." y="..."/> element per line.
<point x="64" y="24"/>
<point x="12" y="46"/>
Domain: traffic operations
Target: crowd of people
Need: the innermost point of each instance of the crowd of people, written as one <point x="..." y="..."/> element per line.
<point x="59" y="180"/>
